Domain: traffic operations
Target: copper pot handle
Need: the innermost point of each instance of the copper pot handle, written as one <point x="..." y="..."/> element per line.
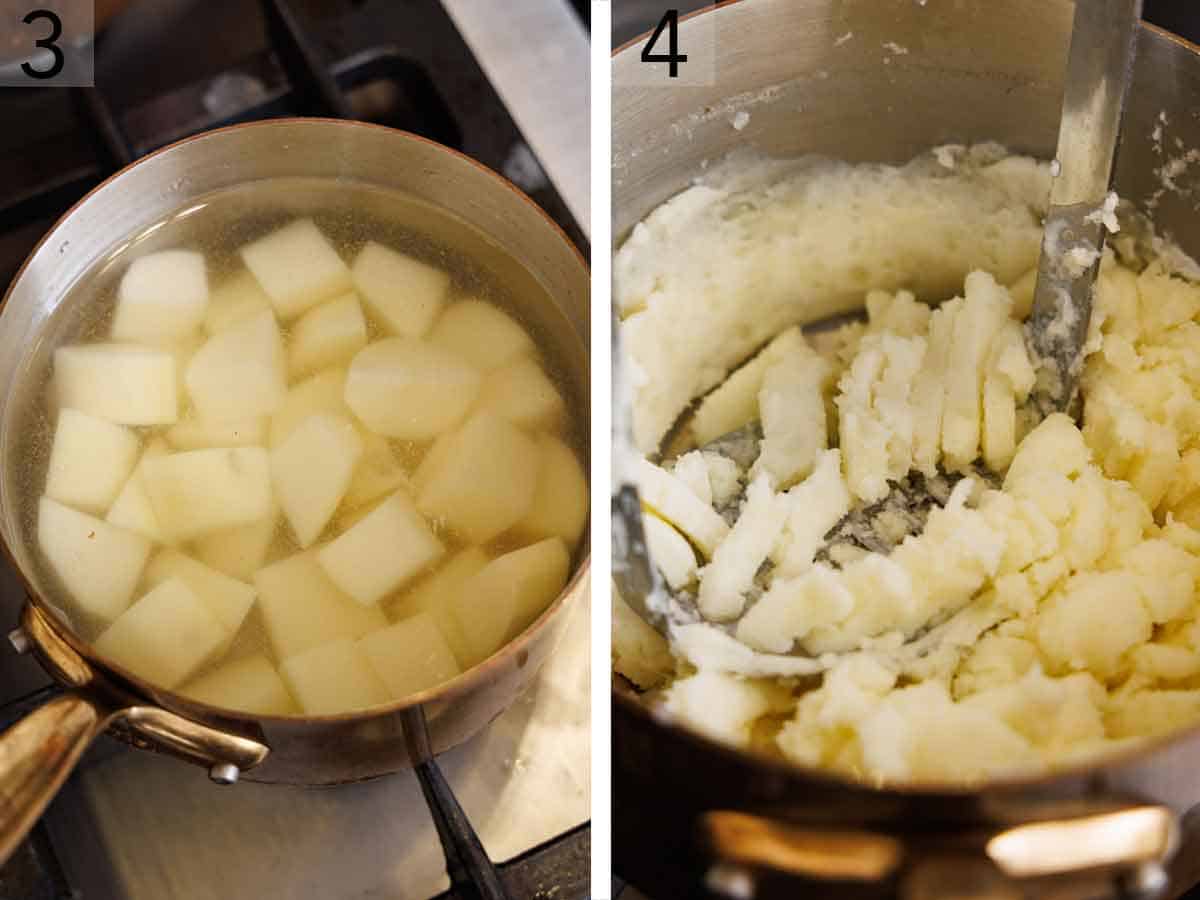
<point x="36" y="756"/>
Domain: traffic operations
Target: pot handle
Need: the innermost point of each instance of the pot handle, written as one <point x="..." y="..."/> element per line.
<point x="36" y="756"/>
<point x="472" y="874"/>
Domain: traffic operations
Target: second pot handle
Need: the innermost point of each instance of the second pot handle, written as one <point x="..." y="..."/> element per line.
<point x="36" y="756"/>
<point x="472" y="873"/>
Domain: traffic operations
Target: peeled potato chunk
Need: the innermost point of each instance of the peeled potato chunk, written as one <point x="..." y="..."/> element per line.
<point x="404" y="388"/>
<point x="327" y="334"/>
<point x="377" y="554"/>
<point x="202" y="491"/>
<point x="560" y="500"/>
<point x="505" y="596"/>
<point x="301" y="608"/>
<point x="311" y="471"/>
<point x="226" y="598"/>
<point x="250" y="684"/>
<point x="122" y="383"/>
<point x="90" y="461"/>
<point x="239" y="373"/>
<point x="322" y="393"/>
<point x="99" y="564"/>
<point x="297" y="268"/>
<point x="165" y="636"/>
<point x="485" y="479"/>
<point x="404" y="294"/>
<point x="410" y="656"/>
<point x="162" y="297"/>
<point x="481" y="334"/>
<point x="132" y="509"/>
<point x="197" y="434"/>
<point x="239" y="552"/>
<point x="521" y="393"/>
<point x="436" y="593"/>
<point x="233" y="301"/>
<point x="333" y="678"/>
<point x="378" y="473"/>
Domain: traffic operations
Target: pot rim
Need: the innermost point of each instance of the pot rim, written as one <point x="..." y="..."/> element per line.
<point x="785" y="768"/>
<point x="463" y="683"/>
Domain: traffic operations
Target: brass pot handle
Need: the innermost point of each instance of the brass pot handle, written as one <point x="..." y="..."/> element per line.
<point x="36" y="756"/>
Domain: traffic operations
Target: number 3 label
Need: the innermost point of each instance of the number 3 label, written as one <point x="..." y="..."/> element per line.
<point x="47" y="43"/>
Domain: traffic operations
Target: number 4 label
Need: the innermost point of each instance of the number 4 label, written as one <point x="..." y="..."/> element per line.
<point x="669" y="23"/>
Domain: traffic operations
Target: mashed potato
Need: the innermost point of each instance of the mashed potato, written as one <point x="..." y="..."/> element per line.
<point x="1043" y="610"/>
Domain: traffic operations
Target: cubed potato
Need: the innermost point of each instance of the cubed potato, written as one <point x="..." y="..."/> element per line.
<point x="522" y="393"/>
<point x="233" y="301"/>
<point x="226" y="598"/>
<point x="378" y="473"/>
<point x="297" y="268"/>
<point x="239" y="552"/>
<point x="560" y="500"/>
<point x="505" y="596"/>
<point x="485" y="483"/>
<point x="301" y="608"/>
<point x="203" y="491"/>
<point x="404" y="388"/>
<point x="90" y="461"/>
<point x="435" y="595"/>
<point x="99" y="564"/>
<point x="481" y="334"/>
<point x="122" y="383"/>
<point x="322" y="393"/>
<point x="326" y="335"/>
<point x="165" y="636"/>
<point x="431" y="462"/>
<point x="239" y="373"/>
<point x="410" y="656"/>
<point x="387" y="547"/>
<point x="333" y="678"/>
<point x="132" y="510"/>
<point x="311" y="471"/>
<point x="162" y="297"/>
<point x="182" y="351"/>
<point x="250" y="684"/>
<point x="195" y="433"/>
<point x="403" y="294"/>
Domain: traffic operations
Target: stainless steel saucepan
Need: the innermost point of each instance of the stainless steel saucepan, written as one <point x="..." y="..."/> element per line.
<point x="37" y="753"/>
<point x="691" y="815"/>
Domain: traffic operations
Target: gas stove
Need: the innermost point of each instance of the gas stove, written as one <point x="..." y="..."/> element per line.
<point x="507" y="86"/>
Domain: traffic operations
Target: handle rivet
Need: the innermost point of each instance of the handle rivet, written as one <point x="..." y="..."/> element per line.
<point x="1148" y="880"/>
<point x="224" y="773"/>
<point x="730" y="880"/>
<point x="19" y="640"/>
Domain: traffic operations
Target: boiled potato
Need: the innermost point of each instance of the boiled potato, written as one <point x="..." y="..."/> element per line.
<point x="322" y="393"/>
<point x="297" y="267"/>
<point x="239" y="373"/>
<point x="378" y="473"/>
<point x="239" y="552"/>
<point x="122" y="383"/>
<point x="410" y="656"/>
<point x="99" y="564"/>
<point x="197" y="434"/>
<point x="203" y="491"/>
<point x="301" y="608"/>
<point x="162" y="297"/>
<point x="481" y="334"/>
<point x="235" y="300"/>
<point x="404" y="294"/>
<point x="132" y="509"/>
<point x="560" y="500"/>
<point x="327" y="334"/>
<point x="431" y="462"/>
<point x="376" y="555"/>
<point x="250" y="684"/>
<point x="90" y="461"/>
<point x="484" y="483"/>
<point x="333" y="678"/>
<point x="165" y="636"/>
<point x="226" y="598"/>
<point x="505" y="596"/>
<point x="435" y="595"/>
<point x="521" y="393"/>
<point x="311" y="471"/>
<point x="405" y="388"/>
